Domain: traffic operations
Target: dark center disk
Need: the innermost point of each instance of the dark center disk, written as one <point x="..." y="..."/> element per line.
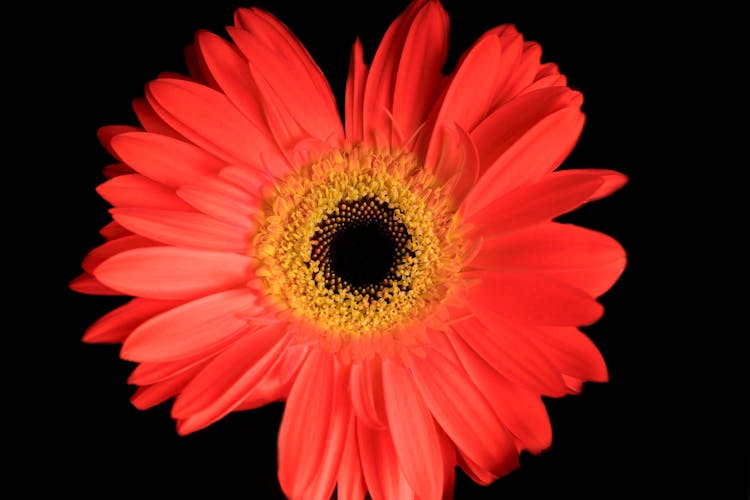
<point x="360" y="244"/>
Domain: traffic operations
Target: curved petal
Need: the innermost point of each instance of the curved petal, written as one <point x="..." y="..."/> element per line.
<point x="572" y="352"/>
<point x="192" y="327"/>
<point x="86" y="283"/>
<point x="384" y="478"/>
<point x="305" y="425"/>
<point x="612" y="181"/>
<point x="464" y="413"/>
<point x="136" y="190"/>
<point x="415" y="437"/>
<point x="115" y="326"/>
<point x="149" y="396"/>
<point x="108" y="132"/>
<point x="184" y="229"/>
<point x="151" y="121"/>
<point x="166" y="160"/>
<point x="355" y="94"/>
<point x="229" y="378"/>
<point x="172" y="273"/>
<point x="582" y="258"/>
<point x="530" y="298"/>
<point x="532" y="204"/>
<point x="223" y="201"/>
<point x="112" y="248"/>
<point x="457" y="162"/>
<point x="366" y="392"/>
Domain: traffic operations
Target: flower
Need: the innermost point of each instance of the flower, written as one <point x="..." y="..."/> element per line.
<point x="400" y="281"/>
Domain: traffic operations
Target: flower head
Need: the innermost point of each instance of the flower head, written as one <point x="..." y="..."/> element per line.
<point x="399" y="281"/>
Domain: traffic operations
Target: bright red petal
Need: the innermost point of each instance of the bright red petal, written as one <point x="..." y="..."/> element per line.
<point x="115" y="326"/>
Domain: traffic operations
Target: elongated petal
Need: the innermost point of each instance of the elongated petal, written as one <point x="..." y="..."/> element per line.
<point x="173" y="273"/>
<point x="226" y="381"/>
<point x="612" y="181"/>
<point x="164" y="159"/>
<point x="304" y="428"/>
<point x="384" y="478"/>
<point x="151" y="121"/>
<point x="113" y="230"/>
<point x="136" y="190"/>
<point x="531" y="298"/>
<point x="572" y="352"/>
<point x="583" y="258"/>
<point x="149" y="396"/>
<point x="525" y="155"/>
<point x="355" y="94"/>
<point x="464" y="413"/>
<point x="529" y="205"/>
<point x="111" y="248"/>
<point x="222" y="200"/>
<point x="521" y="411"/>
<point x="108" y="132"/>
<point x="415" y="437"/>
<point x="457" y="162"/>
<point x="351" y="481"/>
<point x="513" y="355"/>
<point x="181" y="228"/>
<point x="87" y="283"/>
<point x="115" y="326"/>
<point x="366" y="392"/>
<point x="419" y="80"/>
<point x="192" y="327"/>
<point x="209" y="119"/>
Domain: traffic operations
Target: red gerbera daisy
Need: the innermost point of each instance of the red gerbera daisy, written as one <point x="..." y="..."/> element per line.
<point x="399" y="281"/>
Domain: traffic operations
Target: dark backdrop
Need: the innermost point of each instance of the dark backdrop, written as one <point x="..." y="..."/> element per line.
<point x="640" y="435"/>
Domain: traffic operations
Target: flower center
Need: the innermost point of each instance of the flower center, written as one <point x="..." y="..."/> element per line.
<point x="360" y="246"/>
<point x="357" y="243"/>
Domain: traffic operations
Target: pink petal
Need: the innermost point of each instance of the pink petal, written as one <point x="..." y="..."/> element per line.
<point x="521" y="411"/>
<point x="191" y="328"/>
<point x="164" y="159"/>
<point x="111" y="248"/>
<point x="184" y="229"/>
<point x="229" y="378"/>
<point x="513" y="355"/>
<point x="355" y="93"/>
<point x="414" y="434"/>
<point x="366" y="392"/>
<point x="384" y="478"/>
<point x="305" y="425"/>
<point x="138" y="191"/>
<point x="151" y="121"/>
<point x="528" y="205"/>
<point x="531" y="298"/>
<point x="115" y="326"/>
<point x="464" y="413"/>
<point x="419" y="80"/>
<point x="208" y="119"/>
<point x="173" y="273"/>
<point x="580" y="257"/>
<point x="351" y="481"/>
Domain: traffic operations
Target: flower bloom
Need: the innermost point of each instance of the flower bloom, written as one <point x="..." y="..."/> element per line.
<point x="399" y="280"/>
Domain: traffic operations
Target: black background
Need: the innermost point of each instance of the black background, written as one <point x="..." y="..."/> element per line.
<point x="651" y="432"/>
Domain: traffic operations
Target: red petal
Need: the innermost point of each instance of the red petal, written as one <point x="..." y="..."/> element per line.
<point x="108" y="132"/>
<point x="355" y="93"/>
<point x="351" y="481"/>
<point x="304" y="427"/>
<point x="457" y="161"/>
<point x="151" y="121"/>
<point x="116" y="325"/>
<point x="222" y="200"/>
<point x="532" y="204"/>
<point x="530" y="298"/>
<point x="111" y="248"/>
<point x="521" y="411"/>
<point x="414" y="434"/>
<point x="184" y="229"/>
<point x="173" y="273"/>
<point x="276" y="384"/>
<point x="138" y="191"/>
<point x="150" y="396"/>
<point x="384" y="478"/>
<point x="612" y="180"/>
<point x="116" y="170"/>
<point x="113" y="231"/>
<point x="86" y="283"/>
<point x="464" y="413"/>
<point x="419" y="80"/>
<point x="366" y="392"/>
<point x="208" y="119"/>
<point x="164" y="159"/>
<point x="572" y="352"/>
<point x="512" y="354"/>
<point x="192" y="327"/>
<point x="582" y="258"/>
<point x="229" y="378"/>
